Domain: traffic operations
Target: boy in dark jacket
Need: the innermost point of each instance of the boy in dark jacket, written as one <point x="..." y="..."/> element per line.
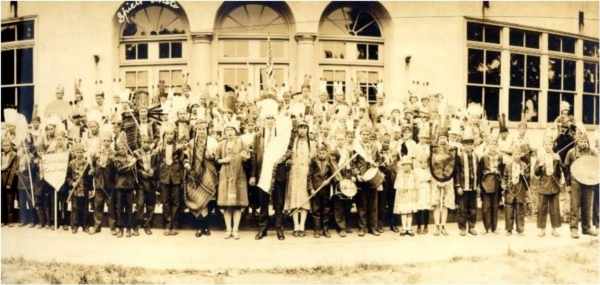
<point x="320" y="170"/>
<point x="10" y="166"/>
<point x="125" y="180"/>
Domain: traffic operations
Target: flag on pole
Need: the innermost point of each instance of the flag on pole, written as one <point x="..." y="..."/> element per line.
<point x="270" y="71"/>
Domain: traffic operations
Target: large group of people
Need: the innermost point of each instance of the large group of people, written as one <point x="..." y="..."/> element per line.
<point x="396" y="159"/>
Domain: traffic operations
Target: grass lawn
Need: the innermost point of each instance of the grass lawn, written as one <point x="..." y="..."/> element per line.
<point x="576" y="264"/>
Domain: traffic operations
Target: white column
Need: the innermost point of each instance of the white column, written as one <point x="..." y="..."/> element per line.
<point x="307" y="62"/>
<point x="200" y="70"/>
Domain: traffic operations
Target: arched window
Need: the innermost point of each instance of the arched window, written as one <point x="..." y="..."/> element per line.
<point x="244" y="33"/>
<point x="351" y="49"/>
<point x="153" y="45"/>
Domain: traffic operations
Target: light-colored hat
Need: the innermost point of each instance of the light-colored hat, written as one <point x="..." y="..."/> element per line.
<point x="405" y="160"/>
<point x="564" y="105"/>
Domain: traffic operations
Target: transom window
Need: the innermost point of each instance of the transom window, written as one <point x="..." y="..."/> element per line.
<point x="561" y="43"/>
<point x="254" y="19"/>
<point x="153" y="21"/>
<point x="520" y="38"/>
<point x="350" y="21"/>
<point x="590" y="49"/>
<point x="483" y="33"/>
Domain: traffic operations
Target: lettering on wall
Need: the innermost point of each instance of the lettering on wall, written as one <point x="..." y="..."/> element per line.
<point x="129" y="7"/>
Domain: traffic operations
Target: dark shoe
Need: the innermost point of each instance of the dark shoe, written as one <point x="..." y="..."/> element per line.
<point x="198" y="233"/>
<point x="206" y="232"/>
<point x="361" y="232"/>
<point x="379" y="229"/>
<point x="463" y="233"/>
<point x="473" y="231"/>
<point x="174" y="232"/>
<point x="295" y="234"/>
<point x="342" y="233"/>
<point x="410" y="233"/>
<point x="280" y="235"/>
<point x="74" y="230"/>
<point x="86" y="230"/>
<point x="348" y="231"/>
<point x="261" y="235"/>
<point x="403" y="233"/>
<point x="136" y="232"/>
<point x="301" y="233"/>
<point x="317" y="234"/>
<point x="65" y="227"/>
<point x="120" y="233"/>
<point x="147" y="231"/>
<point x="167" y="233"/>
<point x="419" y="231"/>
<point x="113" y="232"/>
<point x="128" y="233"/>
<point x="425" y="230"/>
<point x="394" y="229"/>
<point x="373" y="232"/>
<point x="326" y="233"/>
<point x="94" y="231"/>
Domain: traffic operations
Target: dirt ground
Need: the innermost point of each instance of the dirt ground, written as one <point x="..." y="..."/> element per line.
<point x="573" y="264"/>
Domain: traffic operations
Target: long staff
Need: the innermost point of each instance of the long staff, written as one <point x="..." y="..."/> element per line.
<point x="326" y="183"/>
<point x="30" y="174"/>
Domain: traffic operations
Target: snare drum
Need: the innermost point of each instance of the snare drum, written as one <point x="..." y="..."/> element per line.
<point x="373" y="177"/>
<point x="346" y="189"/>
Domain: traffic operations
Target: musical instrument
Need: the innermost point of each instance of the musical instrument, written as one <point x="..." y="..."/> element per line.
<point x="585" y="170"/>
<point x="346" y="189"/>
<point x="373" y="177"/>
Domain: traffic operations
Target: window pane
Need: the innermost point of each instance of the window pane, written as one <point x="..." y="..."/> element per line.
<point x="474" y="94"/>
<point x="340" y="75"/>
<point x="570" y="98"/>
<point x="328" y="75"/>
<point x="229" y="76"/>
<point x="142" y="51"/>
<point x="533" y="71"/>
<point x="554" y="42"/>
<point x="228" y="48"/>
<point x="373" y="77"/>
<point x="328" y="49"/>
<point x="493" y="67"/>
<point x="475" y="65"/>
<point x="568" y="45"/>
<point x="25" y="65"/>
<point x="242" y="75"/>
<point x="590" y="109"/>
<point x="554" y="73"/>
<point x="474" y="32"/>
<point x="177" y="77"/>
<point x="553" y="106"/>
<point x="163" y="50"/>
<point x="8" y="67"/>
<point x="590" y="48"/>
<point x="25" y="104"/>
<point x="373" y="52"/>
<point x="491" y="105"/>
<point x="9" y="33"/>
<point x="531" y="105"/>
<point x="492" y="34"/>
<point x="517" y="70"/>
<point x="340" y="50"/>
<point x="165" y="76"/>
<point x="142" y="79"/>
<point x="242" y="49"/>
<point x="532" y="40"/>
<point x="361" y="51"/>
<point x="515" y="104"/>
<point x="278" y="73"/>
<point x="8" y="99"/>
<point x="130" y="79"/>
<point x="590" y="77"/>
<point x="130" y="51"/>
<point x="569" y="75"/>
<point x="25" y="31"/>
<point x="176" y="50"/>
<point x="361" y="76"/>
<point x="516" y="38"/>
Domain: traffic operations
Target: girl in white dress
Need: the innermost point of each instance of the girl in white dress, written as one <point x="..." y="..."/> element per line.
<point x="406" y="186"/>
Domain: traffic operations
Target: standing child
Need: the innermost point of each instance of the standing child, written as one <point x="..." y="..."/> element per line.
<point x="9" y="178"/>
<point x="25" y="185"/>
<point x="490" y="179"/>
<point x="406" y="186"/>
<point x="320" y="169"/>
<point x="423" y="194"/>
<point x="76" y="173"/>
<point x="40" y="190"/>
<point x="514" y="183"/>
<point x="170" y="167"/>
<point x="103" y="175"/>
<point x="549" y="168"/>
<point x="146" y="194"/>
<point x="125" y="178"/>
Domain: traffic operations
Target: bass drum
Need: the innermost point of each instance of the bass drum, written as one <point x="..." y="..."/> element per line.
<point x="347" y="189"/>
<point x="585" y="170"/>
<point x="373" y="177"/>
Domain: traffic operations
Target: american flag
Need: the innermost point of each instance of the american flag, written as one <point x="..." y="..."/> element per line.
<point x="270" y="71"/>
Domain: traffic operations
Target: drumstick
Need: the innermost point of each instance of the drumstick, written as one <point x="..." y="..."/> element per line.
<point x="323" y="185"/>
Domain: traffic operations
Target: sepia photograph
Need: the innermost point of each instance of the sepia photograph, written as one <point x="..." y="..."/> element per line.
<point x="300" y="142"/>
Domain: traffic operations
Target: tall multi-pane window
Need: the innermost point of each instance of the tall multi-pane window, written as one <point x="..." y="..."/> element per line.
<point x="351" y="46"/>
<point x="561" y="85"/>
<point x="591" y="86"/>
<point x="17" y="66"/>
<point x="484" y="68"/>
<point x="523" y="95"/>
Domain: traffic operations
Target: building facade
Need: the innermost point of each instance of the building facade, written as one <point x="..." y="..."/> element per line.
<point x="506" y="55"/>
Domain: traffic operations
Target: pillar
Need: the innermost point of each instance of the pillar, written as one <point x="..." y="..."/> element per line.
<point x="307" y="62"/>
<point x="200" y="65"/>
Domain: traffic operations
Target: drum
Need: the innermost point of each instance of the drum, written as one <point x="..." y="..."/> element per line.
<point x="373" y="177"/>
<point x="347" y="189"/>
<point x="585" y="170"/>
